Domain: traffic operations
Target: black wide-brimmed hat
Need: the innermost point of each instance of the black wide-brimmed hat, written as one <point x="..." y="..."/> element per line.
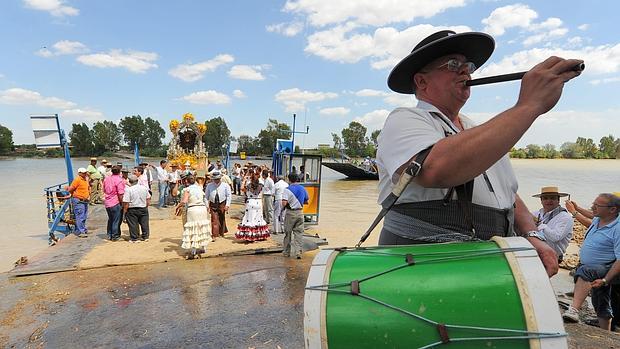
<point x="477" y="47"/>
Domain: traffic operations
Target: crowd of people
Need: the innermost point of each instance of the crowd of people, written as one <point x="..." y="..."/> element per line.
<point x="201" y="197"/>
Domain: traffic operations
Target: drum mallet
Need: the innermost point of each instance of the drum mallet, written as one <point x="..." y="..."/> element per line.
<point x="408" y="174"/>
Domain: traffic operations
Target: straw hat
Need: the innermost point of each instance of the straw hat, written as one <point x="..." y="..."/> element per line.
<point x="549" y="191"/>
<point x="216" y="175"/>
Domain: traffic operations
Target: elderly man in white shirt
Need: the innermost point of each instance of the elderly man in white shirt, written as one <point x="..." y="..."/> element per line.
<point x="278" y="217"/>
<point x="218" y="197"/>
<point x="268" y="189"/>
<point x="136" y="201"/>
<point x="555" y="224"/>
<point x="162" y="179"/>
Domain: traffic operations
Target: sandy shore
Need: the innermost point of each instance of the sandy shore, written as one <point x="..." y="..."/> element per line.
<point x="165" y="242"/>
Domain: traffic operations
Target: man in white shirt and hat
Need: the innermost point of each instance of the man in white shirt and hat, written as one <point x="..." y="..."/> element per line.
<point x="218" y="196"/>
<point x="554" y="223"/>
<point x="460" y="169"/>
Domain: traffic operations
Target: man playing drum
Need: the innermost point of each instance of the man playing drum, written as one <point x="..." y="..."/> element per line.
<point x="466" y="189"/>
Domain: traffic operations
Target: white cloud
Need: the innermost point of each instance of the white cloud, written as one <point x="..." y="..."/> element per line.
<point x="63" y="47"/>
<point x="367" y="12"/>
<point x="401" y="100"/>
<point x="548" y="30"/>
<point x="385" y="47"/>
<point x="239" y="94"/>
<point x="604" y="59"/>
<point x="373" y="120"/>
<point x="371" y="93"/>
<point x="207" y="97"/>
<point x="334" y="111"/>
<point x="583" y="27"/>
<point x="286" y="29"/>
<point x="510" y="16"/>
<point x="194" y="72"/>
<point x="605" y="81"/>
<point x="247" y="72"/>
<point x="20" y="96"/>
<point x="85" y="114"/>
<point x="295" y="99"/>
<point x="134" y="61"/>
<point x="56" y="8"/>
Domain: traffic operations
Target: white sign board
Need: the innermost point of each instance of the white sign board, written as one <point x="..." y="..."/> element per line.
<point x="46" y="130"/>
<point x="234" y="146"/>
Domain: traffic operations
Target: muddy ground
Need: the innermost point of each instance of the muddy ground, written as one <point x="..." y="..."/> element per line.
<point x="228" y="302"/>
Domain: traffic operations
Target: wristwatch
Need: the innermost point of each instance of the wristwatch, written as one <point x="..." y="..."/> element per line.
<point x="535" y="234"/>
<point x="604" y="281"/>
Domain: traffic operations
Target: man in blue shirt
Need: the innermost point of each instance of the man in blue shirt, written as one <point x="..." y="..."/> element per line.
<point x="293" y="200"/>
<point x="599" y="261"/>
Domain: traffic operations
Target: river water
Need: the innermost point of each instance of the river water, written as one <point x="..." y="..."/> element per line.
<point x="22" y="208"/>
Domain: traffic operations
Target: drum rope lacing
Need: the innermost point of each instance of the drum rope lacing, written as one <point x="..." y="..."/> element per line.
<point x="441" y="327"/>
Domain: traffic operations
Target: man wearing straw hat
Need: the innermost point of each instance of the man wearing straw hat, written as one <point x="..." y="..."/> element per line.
<point x="555" y="224"/>
<point x="464" y="188"/>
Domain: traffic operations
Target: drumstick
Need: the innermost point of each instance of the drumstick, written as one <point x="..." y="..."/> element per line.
<point x="509" y="77"/>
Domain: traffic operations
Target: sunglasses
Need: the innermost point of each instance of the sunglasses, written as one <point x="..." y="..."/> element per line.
<point x="455" y="65"/>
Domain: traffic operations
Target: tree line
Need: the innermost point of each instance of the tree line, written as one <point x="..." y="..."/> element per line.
<point x="107" y="137"/>
<point x="583" y="148"/>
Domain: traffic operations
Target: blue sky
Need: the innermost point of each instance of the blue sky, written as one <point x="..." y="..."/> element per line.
<point x="325" y="60"/>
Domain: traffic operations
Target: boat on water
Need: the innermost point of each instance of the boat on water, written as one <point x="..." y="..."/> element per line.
<point x="353" y="171"/>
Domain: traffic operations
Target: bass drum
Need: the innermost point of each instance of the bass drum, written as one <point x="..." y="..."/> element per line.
<point x="490" y="294"/>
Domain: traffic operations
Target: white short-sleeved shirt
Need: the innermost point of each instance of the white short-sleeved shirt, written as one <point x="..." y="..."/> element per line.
<point x="136" y="195"/>
<point x="407" y="131"/>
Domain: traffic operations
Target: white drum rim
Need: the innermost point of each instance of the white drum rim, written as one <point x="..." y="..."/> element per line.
<point x="315" y="301"/>
<point x="540" y="306"/>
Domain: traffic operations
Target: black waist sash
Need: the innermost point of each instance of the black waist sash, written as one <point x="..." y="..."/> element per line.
<point x="487" y="221"/>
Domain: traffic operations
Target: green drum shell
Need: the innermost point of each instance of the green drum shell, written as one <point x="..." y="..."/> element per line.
<point x="474" y="291"/>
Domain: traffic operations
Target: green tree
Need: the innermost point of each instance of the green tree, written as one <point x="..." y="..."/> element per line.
<point x="217" y="136"/>
<point x="590" y="150"/>
<point x="607" y="147"/>
<point x="132" y="128"/>
<point x="153" y="134"/>
<point x="106" y="136"/>
<point x="534" y="151"/>
<point x="550" y="152"/>
<point x="337" y="141"/>
<point x="267" y="136"/>
<point x="81" y="141"/>
<point x="518" y="153"/>
<point x="374" y="137"/>
<point x="6" y="140"/>
<point x="248" y="144"/>
<point x="570" y="150"/>
<point x="354" y="139"/>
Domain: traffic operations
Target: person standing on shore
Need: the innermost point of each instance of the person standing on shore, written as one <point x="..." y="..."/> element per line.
<point x="268" y="189"/>
<point x="294" y="197"/>
<point x="174" y="177"/>
<point x="136" y="201"/>
<point x="218" y="196"/>
<point x="236" y="177"/>
<point x="95" y="182"/>
<point x="253" y="226"/>
<point x="113" y="189"/>
<point x="196" y="226"/>
<point x="599" y="261"/>
<point x="103" y="169"/>
<point x="461" y="170"/>
<point x="554" y="223"/>
<point x="278" y="209"/>
<point x="162" y="179"/>
<point x="80" y="194"/>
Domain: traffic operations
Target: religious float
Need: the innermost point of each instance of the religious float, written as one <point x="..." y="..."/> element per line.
<point x="186" y="144"/>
